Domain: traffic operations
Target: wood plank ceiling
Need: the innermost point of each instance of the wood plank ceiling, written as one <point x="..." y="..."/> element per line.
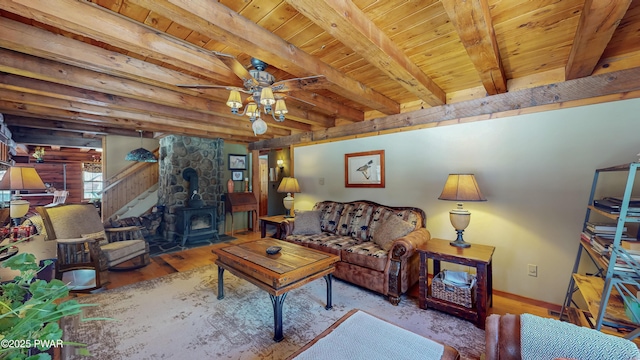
<point x="73" y="70"/>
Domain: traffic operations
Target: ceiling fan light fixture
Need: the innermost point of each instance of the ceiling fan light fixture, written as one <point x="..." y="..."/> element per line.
<point x="259" y="126"/>
<point x="266" y="97"/>
<point x="234" y="102"/>
<point x="252" y="111"/>
<point x="281" y="110"/>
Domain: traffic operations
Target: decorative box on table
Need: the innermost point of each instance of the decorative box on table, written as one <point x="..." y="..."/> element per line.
<point x="457" y="287"/>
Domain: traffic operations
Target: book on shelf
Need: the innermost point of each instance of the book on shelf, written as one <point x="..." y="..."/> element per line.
<point x="599" y="227"/>
<point x="613" y="207"/>
<point x="633" y="201"/>
<point x="630" y="246"/>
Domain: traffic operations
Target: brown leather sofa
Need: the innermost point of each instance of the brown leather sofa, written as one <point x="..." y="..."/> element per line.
<point x="363" y="233"/>
<point x="526" y="336"/>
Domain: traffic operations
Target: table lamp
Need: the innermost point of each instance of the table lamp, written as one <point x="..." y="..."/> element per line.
<point x="288" y="185"/>
<point x="461" y="187"/>
<point x="20" y="178"/>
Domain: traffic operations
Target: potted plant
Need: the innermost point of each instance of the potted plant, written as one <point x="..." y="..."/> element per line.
<point x="39" y="154"/>
<point x="30" y="309"/>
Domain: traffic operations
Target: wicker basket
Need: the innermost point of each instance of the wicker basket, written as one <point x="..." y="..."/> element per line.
<point x="462" y="295"/>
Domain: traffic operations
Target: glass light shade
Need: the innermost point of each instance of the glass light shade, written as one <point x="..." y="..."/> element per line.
<point x="141" y="155"/>
<point x="234" y="102"/>
<point x="18" y="208"/>
<point x="281" y="108"/>
<point x="259" y="126"/>
<point x="266" y="96"/>
<point x="252" y="110"/>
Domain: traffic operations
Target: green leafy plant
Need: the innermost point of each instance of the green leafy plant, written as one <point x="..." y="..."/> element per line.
<point x="30" y="309"/>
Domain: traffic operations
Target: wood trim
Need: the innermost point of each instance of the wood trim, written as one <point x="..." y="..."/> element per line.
<point x="619" y="84"/>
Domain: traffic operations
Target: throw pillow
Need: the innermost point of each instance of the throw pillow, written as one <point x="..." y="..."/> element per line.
<point x="307" y="223"/>
<point x="392" y="228"/>
<point x="101" y="236"/>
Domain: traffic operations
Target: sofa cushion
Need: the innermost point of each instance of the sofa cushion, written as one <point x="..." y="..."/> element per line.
<point x="355" y="220"/>
<point x="390" y="229"/>
<point x="330" y="215"/>
<point x="327" y="242"/>
<point x="367" y="254"/>
<point x="307" y="223"/>
<point x="118" y="250"/>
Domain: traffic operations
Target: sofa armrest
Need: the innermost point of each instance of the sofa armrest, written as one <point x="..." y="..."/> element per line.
<point x="405" y="246"/>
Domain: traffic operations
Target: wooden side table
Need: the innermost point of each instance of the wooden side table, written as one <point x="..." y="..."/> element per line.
<point x="271" y="220"/>
<point x="478" y="256"/>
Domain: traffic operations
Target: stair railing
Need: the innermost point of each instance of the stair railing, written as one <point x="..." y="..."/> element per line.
<point x="128" y="184"/>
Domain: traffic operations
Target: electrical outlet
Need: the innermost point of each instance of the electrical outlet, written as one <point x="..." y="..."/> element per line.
<point x="533" y="270"/>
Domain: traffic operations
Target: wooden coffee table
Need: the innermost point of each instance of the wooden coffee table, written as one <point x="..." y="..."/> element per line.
<point x="277" y="274"/>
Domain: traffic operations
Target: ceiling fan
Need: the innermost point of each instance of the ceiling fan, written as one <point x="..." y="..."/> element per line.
<point x="263" y="90"/>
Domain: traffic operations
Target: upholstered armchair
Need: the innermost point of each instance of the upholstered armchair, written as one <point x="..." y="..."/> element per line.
<point x="526" y="336"/>
<point x="84" y="244"/>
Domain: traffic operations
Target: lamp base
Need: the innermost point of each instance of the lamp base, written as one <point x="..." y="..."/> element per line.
<point x="459" y="242"/>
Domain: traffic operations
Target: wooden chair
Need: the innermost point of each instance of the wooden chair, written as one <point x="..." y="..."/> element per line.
<point x="86" y="250"/>
<point x="59" y="198"/>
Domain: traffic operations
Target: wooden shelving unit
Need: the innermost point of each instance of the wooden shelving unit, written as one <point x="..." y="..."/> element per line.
<point x="606" y="292"/>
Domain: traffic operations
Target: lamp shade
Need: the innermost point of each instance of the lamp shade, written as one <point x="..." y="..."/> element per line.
<point x="289" y="185"/>
<point x="141" y="155"/>
<point x="461" y="187"/>
<point x="21" y="178"/>
<point x="234" y="100"/>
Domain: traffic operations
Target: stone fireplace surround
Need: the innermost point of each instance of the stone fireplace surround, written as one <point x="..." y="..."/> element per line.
<point x="177" y="154"/>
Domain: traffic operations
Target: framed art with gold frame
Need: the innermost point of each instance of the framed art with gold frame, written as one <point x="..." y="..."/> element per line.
<point x="364" y="169"/>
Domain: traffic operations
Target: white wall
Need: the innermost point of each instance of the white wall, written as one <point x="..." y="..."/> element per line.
<point x="536" y="171"/>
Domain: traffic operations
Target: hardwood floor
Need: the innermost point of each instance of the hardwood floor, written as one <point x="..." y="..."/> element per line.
<point x="190" y="259"/>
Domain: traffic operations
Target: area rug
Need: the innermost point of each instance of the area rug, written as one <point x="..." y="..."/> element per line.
<point x="159" y="247"/>
<point x="178" y="316"/>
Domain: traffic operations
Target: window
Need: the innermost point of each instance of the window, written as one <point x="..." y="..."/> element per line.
<point x="5" y="195"/>
<point x="92" y="184"/>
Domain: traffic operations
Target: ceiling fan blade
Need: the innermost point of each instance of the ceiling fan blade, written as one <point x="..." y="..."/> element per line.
<point x="303" y="83"/>
<point x="206" y="86"/>
<point x="237" y="69"/>
<point x="295" y="98"/>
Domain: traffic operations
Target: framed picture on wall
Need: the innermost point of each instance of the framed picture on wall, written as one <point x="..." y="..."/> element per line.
<point x="236" y="175"/>
<point x="364" y="169"/>
<point x="237" y="162"/>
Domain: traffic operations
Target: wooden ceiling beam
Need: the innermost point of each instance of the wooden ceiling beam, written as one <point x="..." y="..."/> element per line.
<point x="349" y="25"/>
<point x="43" y="123"/>
<point x="51" y="71"/>
<point x="62" y="138"/>
<point x="598" y="21"/>
<point x="92" y="98"/>
<point x="135" y="117"/>
<point x="79" y="17"/>
<point x="474" y="25"/>
<point x="41" y="43"/>
<point x="619" y="82"/>
<point x="22" y="109"/>
<point x="217" y="21"/>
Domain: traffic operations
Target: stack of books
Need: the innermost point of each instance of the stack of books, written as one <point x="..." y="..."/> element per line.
<point x="628" y="260"/>
<point x="601" y="235"/>
<point x="613" y="204"/>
